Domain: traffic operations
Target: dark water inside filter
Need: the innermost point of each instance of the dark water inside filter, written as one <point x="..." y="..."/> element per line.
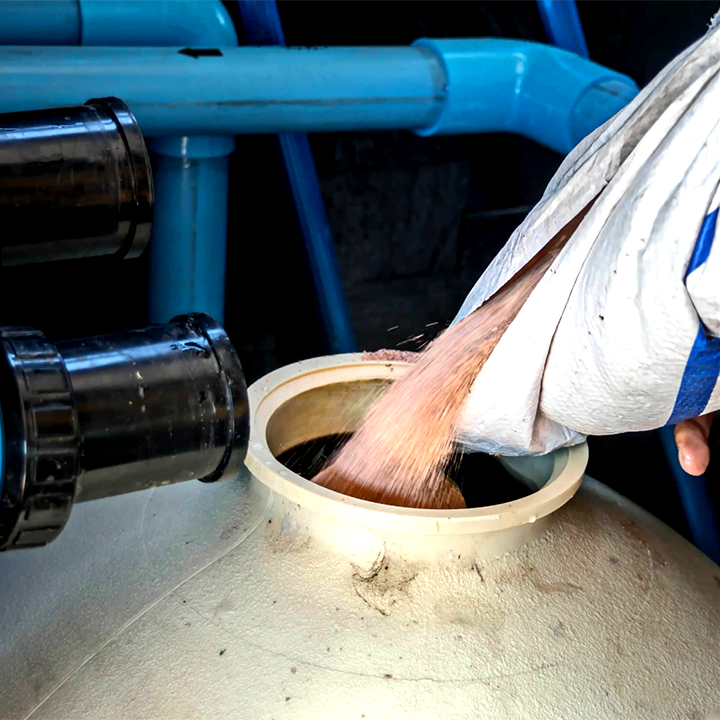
<point x="481" y="478"/>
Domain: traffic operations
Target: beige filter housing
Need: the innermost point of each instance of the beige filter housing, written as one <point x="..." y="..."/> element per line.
<point x="269" y="598"/>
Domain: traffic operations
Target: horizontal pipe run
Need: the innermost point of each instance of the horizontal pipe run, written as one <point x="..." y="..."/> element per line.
<point x="443" y="86"/>
<point x="233" y="90"/>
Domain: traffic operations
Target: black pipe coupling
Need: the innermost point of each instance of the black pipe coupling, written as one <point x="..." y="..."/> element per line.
<point x="74" y="182"/>
<point x="113" y="414"/>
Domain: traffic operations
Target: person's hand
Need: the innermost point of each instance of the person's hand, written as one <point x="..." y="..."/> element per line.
<point x="691" y="438"/>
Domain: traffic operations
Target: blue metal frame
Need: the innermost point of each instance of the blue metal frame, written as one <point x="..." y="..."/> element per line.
<point x="562" y="25"/>
<point x="261" y="21"/>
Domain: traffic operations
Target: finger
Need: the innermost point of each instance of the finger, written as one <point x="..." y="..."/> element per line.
<point x="691" y="438"/>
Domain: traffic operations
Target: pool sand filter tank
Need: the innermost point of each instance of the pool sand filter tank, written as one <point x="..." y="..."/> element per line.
<point x="267" y="596"/>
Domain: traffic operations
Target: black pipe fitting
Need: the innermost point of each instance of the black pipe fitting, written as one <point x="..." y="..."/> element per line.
<point x="74" y="182"/>
<point x="113" y="414"/>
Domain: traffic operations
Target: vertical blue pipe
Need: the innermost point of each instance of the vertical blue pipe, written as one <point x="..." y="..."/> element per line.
<point x="564" y="29"/>
<point x="188" y="248"/>
<point x="562" y="25"/>
<point x="261" y="21"/>
<point x="694" y="498"/>
<point x="188" y="244"/>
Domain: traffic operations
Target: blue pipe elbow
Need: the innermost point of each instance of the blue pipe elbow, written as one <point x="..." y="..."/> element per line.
<point x="40" y="22"/>
<point x="155" y="23"/>
<point x="549" y="95"/>
<point x="102" y="23"/>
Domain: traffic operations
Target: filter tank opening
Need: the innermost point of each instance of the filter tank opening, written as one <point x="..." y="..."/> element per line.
<point x="306" y="431"/>
<point x="328" y="396"/>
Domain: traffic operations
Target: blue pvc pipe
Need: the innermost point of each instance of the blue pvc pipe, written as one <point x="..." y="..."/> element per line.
<point x="156" y="23"/>
<point x="539" y="91"/>
<point x="245" y="90"/>
<point x="562" y="25"/>
<point x="188" y="252"/>
<point x="261" y="21"/>
<point x="449" y="86"/>
<point x="695" y="499"/>
<point x="121" y="23"/>
<point x="40" y="22"/>
<point x="188" y="247"/>
<point x="563" y="28"/>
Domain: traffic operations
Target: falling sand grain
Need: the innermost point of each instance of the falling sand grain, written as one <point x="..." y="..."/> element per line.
<point x="400" y="453"/>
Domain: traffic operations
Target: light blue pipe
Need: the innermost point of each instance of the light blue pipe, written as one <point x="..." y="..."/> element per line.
<point x="156" y="23"/>
<point x="246" y="90"/>
<point x="261" y="21"/>
<point x="187" y="264"/>
<point x="442" y="86"/>
<point x="562" y="25"/>
<point x="123" y="23"/>
<point x="188" y="248"/>
<point x="188" y="252"/>
<point x="39" y="22"/>
<point x="539" y="91"/>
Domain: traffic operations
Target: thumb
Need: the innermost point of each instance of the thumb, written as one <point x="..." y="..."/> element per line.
<point x="691" y="438"/>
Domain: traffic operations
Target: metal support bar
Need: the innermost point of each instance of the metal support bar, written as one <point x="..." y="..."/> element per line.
<point x="262" y="27"/>
<point x="562" y="25"/>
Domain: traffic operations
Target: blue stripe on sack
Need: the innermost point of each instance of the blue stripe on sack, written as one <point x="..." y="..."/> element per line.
<point x="703" y="365"/>
<point x="704" y="243"/>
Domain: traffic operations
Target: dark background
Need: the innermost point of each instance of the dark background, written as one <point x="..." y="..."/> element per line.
<point x="415" y="220"/>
